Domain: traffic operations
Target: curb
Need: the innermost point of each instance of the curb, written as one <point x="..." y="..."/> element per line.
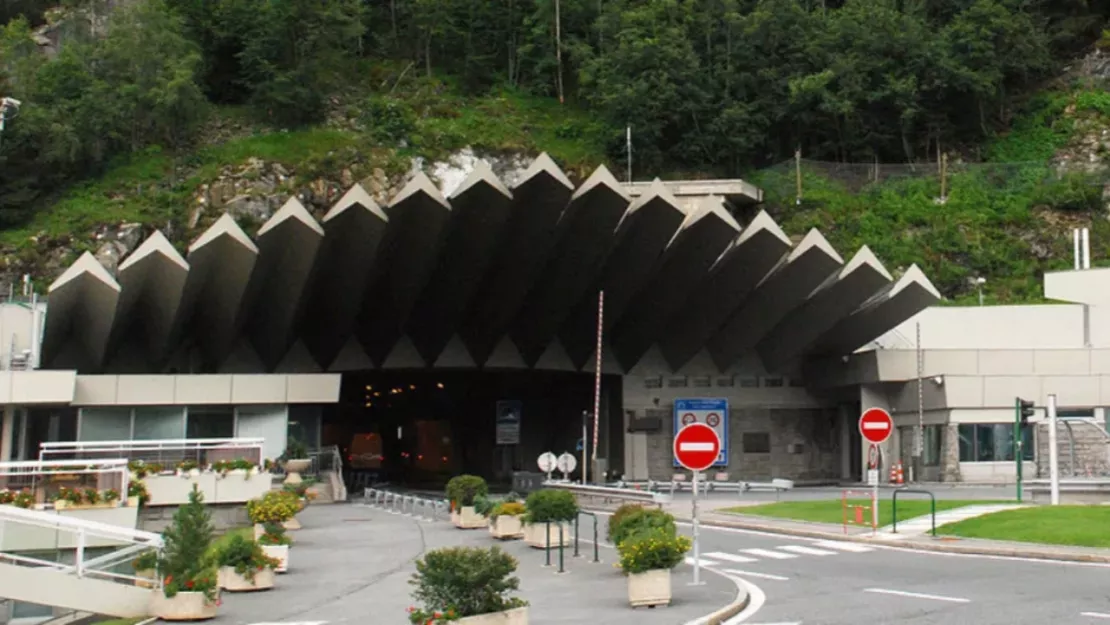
<point x="1009" y="552"/>
<point x="729" y="611"/>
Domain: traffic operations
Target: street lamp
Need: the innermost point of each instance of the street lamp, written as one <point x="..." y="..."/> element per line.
<point x="979" y="282"/>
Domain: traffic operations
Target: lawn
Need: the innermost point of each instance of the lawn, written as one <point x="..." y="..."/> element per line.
<point x="222" y="539"/>
<point x="1081" y="526"/>
<point x="832" y="510"/>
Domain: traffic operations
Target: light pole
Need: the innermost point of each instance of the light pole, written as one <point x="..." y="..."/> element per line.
<point x="979" y="282"/>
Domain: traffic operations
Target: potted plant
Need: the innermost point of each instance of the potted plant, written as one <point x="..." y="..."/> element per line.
<point x="505" y="520"/>
<point x="146" y="567"/>
<point x="467" y="586"/>
<point x="189" y="587"/>
<point x="274" y="507"/>
<point x="275" y="544"/>
<point x="462" y="491"/>
<point x="137" y="494"/>
<point x="7" y="497"/>
<point x="24" y="499"/>
<point x="110" y="497"/>
<point x="244" y="566"/>
<point x="296" y="461"/>
<point x="66" y="497"/>
<point x="647" y="557"/>
<point x="188" y="468"/>
<point x="546" y="511"/>
<point x="639" y="519"/>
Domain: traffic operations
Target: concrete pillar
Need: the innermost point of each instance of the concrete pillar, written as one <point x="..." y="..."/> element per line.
<point x="846" y="425"/>
<point x="7" y="433"/>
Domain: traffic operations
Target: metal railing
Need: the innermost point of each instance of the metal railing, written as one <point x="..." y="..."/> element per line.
<point x="428" y="508"/>
<point x="609" y="494"/>
<point x="168" y="452"/>
<point x="44" y="478"/>
<point x="80" y="535"/>
<point x="914" y="491"/>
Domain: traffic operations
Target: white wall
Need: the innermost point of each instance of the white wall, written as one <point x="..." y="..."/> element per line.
<point x="1045" y="326"/>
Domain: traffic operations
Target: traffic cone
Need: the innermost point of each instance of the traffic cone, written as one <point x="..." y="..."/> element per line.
<point x="896" y="476"/>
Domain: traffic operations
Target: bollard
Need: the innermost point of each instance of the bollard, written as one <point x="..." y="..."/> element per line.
<point x="561" y="569"/>
<point x="547" y="541"/>
<point x="576" y="536"/>
<point x="596" y="559"/>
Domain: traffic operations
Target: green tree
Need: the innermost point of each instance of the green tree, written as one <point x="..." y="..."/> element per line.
<point x="187" y="540"/>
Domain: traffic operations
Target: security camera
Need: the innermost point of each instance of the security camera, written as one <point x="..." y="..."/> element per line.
<point x="10" y="102"/>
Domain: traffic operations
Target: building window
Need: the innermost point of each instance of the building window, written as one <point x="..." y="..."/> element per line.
<point x="104" y="424"/>
<point x="930" y="453"/>
<point x="676" y="382"/>
<point x="993" y="442"/>
<point x="701" y="381"/>
<point x="749" y="382"/>
<point x="757" y="443"/>
<point x="772" y="382"/>
<point x="796" y="382"/>
<point x="210" y="422"/>
<point x="723" y="382"/>
<point x="154" y="423"/>
<point x="1075" y="413"/>
<point x="653" y="382"/>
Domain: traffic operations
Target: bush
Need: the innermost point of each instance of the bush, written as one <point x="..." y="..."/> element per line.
<point x="185" y="562"/>
<point x="653" y="549"/>
<point x="619" y="517"/>
<point x="643" y="520"/>
<point x="463" y="489"/>
<point x="484" y="505"/>
<point x="273" y="534"/>
<point x="506" y="508"/>
<point x="245" y="556"/>
<point x="464" y="581"/>
<point x="550" y="505"/>
<point x="273" y="507"/>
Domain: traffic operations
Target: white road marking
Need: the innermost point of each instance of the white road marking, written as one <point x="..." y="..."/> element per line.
<point x="1095" y="614"/>
<point x="702" y="563"/>
<point x="916" y="595"/>
<point x="730" y="557"/>
<point x="807" y="551"/>
<point x="844" y="546"/>
<point x="756" y="599"/>
<point x="767" y="553"/>
<point x="753" y="574"/>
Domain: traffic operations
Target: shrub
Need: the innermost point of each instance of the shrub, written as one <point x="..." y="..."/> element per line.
<point x="550" y="505"/>
<point x="457" y="582"/>
<point x="484" y="505"/>
<point x="619" y="517"/>
<point x="273" y="535"/>
<point x="245" y="556"/>
<point x="137" y="488"/>
<point x="652" y="549"/>
<point x="640" y="521"/>
<point x="295" y="450"/>
<point x="462" y="489"/>
<point x="507" y="508"/>
<point x="146" y="562"/>
<point x="185" y="560"/>
<point x="273" y="507"/>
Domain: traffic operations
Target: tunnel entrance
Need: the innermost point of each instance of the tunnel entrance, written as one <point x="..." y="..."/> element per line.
<point x="420" y="428"/>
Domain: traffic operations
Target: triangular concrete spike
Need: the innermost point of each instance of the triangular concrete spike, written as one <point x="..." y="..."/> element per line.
<point x="555" y="358"/>
<point x="156" y="243"/>
<point x="298" y="360"/>
<point x="763" y="222"/>
<point x="657" y="190"/>
<point x="505" y="355"/>
<point x="420" y="183"/>
<point x="292" y="209"/>
<point x="482" y="173"/>
<point x="545" y="165"/>
<point x="711" y="205"/>
<point x="225" y="225"/>
<point x="814" y="238"/>
<point x="87" y="263"/>
<point x="243" y="358"/>
<point x="699" y="364"/>
<point x="651" y="363"/>
<point x="914" y="275"/>
<point x="355" y="196"/>
<point x="609" y="362"/>
<point x="455" y="355"/>
<point x="351" y="358"/>
<point x="865" y="257"/>
<point x="601" y="176"/>
<point x="404" y="355"/>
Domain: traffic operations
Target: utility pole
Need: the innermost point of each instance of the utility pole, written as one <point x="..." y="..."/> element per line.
<point x="559" y="52"/>
<point x="919" y="440"/>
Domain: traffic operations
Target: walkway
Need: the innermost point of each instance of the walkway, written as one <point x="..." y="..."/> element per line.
<point x="352" y="563"/>
<point x="922" y="525"/>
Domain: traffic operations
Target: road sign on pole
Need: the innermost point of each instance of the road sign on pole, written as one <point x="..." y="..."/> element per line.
<point x="567" y="464"/>
<point x="875" y="425"/>
<point x="547" y="463"/>
<point x="696" y="447"/>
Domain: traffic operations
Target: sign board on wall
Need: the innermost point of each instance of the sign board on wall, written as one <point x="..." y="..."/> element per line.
<point x="508" y="421"/>
<point x="711" y="412"/>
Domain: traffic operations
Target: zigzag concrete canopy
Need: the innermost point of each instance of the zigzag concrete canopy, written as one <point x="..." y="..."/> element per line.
<point x="491" y="277"/>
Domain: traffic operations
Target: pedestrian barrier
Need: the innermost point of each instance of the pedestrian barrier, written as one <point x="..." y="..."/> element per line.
<point x="409" y="505"/>
<point x="861" y="514"/>
<point x="903" y="491"/>
<point x="594" y="517"/>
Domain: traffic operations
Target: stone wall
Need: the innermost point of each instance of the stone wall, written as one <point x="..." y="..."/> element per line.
<point x="1090" y="449"/>
<point x="950" y="453"/>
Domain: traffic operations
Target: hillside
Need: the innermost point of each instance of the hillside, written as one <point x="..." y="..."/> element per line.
<point x="210" y="112"/>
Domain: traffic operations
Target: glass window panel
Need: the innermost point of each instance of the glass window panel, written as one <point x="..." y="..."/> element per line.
<point x="154" y="423"/>
<point x="304" y="424"/>
<point x="1028" y="448"/>
<point x="931" y="452"/>
<point x="1003" y="436"/>
<point x="211" y="422"/>
<point x="984" y="443"/>
<point x="967" y="442"/>
<point x="105" y="424"/>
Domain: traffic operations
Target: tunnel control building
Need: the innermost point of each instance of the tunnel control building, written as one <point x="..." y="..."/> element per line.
<point x="705" y="296"/>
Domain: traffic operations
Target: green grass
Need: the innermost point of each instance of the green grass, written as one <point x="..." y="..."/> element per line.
<point x="1081" y="526"/>
<point x="832" y="511"/>
<point x="221" y="540"/>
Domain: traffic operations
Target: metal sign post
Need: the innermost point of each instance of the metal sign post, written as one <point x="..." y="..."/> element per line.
<point x="873" y="477"/>
<point x="694" y="516"/>
<point x="696" y="447"/>
<point x="1053" y="454"/>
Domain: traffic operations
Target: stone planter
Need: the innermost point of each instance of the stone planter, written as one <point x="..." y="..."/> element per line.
<point x="467" y="519"/>
<point x="506" y="526"/>
<point x="536" y="534"/>
<point x="184" y="606"/>
<point x="231" y="581"/>
<point x="516" y="616"/>
<point x="650" y="588"/>
<point x="133" y="502"/>
<point x="293" y="469"/>
<point x="62" y="504"/>
<point x="280" y="553"/>
<point x="146" y="574"/>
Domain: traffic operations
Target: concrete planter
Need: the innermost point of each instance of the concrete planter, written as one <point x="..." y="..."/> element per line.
<point x="536" y="534"/>
<point x="148" y="576"/>
<point x="231" y="581"/>
<point x="516" y="616"/>
<point x="62" y="504"/>
<point x="133" y="502"/>
<point x="506" y="526"/>
<point x="293" y="469"/>
<point x="279" y="553"/>
<point x="650" y="588"/>
<point x="466" y="518"/>
<point x="236" y="487"/>
<point x="184" y="606"/>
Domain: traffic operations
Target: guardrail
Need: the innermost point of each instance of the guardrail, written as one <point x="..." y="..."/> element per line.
<point x="609" y="494"/>
<point x="903" y="491"/>
<point x="203" y="451"/>
<point x="409" y="505"/>
<point x="45" y="477"/>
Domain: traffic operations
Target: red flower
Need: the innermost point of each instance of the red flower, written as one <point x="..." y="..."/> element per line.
<point x="411" y="609"/>
<point x="189" y="584"/>
<point x="169" y="580"/>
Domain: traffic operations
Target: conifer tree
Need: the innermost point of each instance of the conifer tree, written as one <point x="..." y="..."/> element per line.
<point x="187" y="540"/>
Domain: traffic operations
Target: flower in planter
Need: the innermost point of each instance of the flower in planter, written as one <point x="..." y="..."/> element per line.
<point x="137" y="488"/>
<point x="6" y="496"/>
<point x="246" y="557"/>
<point x="185" y="466"/>
<point x="506" y="508"/>
<point x="652" y="549"/>
<point x="24" y="499"/>
<point x="146" y="562"/>
<point x="273" y="535"/>
<point x="139" y="468"/>
<point x="550" y="505"/>
<point x="110" y="496"/>
<point x="639" y="519"/>
<point x="457" y="582"/>
<point x="91" y="496"/>
<point x="273" y="507"/>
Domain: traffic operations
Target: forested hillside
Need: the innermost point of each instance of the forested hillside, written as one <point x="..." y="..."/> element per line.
<point x="129" y="107"/>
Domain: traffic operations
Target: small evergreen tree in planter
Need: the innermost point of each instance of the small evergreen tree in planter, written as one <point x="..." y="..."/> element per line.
<point x="244" y="566"/>
<point x="462" y="490"/>
<point x="504" y="520"/>
<point x="275" y="544"/>
<point x="547" y="511"/>
<point x="467" y="586"/>
<point x="189" y="589"/>
<point x="647" y="557"/>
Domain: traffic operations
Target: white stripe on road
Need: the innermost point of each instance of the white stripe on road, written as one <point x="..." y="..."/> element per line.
<point x="844" y="546"/>
<point x="1094" y="614"/>
<point x="730" y="557"/>
<point x="807" y="551"/>
<point x="916" y="595"/>
<point x="700" y="562"/>
<point x="767" y="553"/>
<point x="751" y="574"/>
<point x="696" y="446"/>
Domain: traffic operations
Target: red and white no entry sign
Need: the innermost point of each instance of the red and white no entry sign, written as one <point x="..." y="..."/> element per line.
<point x="875" y="425"/>
<point x="696" y="446"/>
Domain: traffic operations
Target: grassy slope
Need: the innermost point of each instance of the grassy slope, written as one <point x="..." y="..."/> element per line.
<point x="832" y="511"/>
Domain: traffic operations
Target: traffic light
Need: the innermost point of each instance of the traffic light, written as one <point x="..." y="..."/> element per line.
<point x="1026" y="410"/>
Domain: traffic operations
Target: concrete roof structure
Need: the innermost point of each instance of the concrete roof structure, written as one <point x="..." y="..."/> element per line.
<point x="491" y="277"/>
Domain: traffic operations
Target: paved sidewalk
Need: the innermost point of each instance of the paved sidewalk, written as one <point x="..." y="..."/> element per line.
<point x="352" y="563"/>
<point x="922" y="525"/>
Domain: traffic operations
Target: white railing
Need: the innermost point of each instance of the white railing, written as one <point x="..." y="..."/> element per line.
<point x="609" y="493"/>
<point x="79" y="535"/>
<point x="203" y="451"/>
<point x="40" y="476"/>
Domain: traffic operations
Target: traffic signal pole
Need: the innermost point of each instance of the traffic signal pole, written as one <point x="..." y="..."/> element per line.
<point x="1017" y="443"/>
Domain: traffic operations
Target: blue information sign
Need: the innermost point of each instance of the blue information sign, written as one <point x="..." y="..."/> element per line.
<point x="712" y="412"/>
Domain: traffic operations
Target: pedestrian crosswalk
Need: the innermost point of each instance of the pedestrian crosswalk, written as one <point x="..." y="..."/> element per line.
<point x="821" y="548"/>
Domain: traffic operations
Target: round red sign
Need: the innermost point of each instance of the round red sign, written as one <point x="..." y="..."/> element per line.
<point x="713" y="419"/>
<point x="689" y="418"/>
<point x="875" y="425"/>
<point x="697" y="446"/>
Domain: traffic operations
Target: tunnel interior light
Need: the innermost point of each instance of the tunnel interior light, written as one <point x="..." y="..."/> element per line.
<point x="439" y="384"/>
